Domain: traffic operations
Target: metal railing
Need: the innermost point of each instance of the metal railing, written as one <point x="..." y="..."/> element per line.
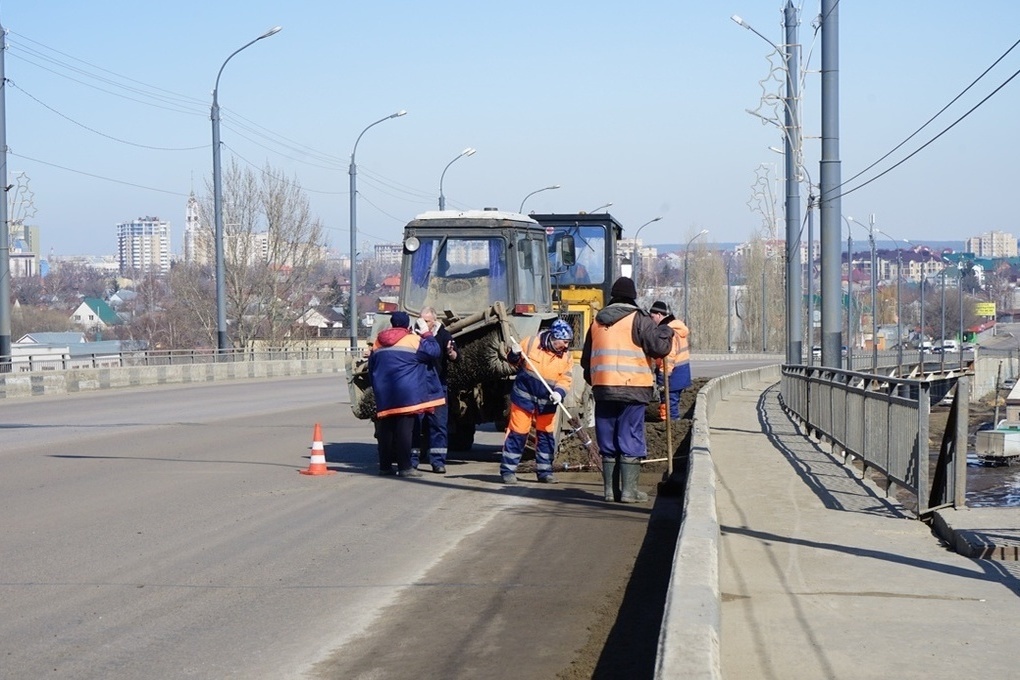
<point x="884" y="423"/>
<point x="49" y="360"/>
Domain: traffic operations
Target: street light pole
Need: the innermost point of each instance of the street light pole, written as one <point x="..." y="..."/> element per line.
<point x="899" y="276"/>
<point x="636" y="254"/>
<point x="6" y="346"/>
<point x="687" y="290"/>
<point x="353" y="172"/>
<point x="601" y="207"/>
<point x="466" y="152"/>
<point x="959" y="289"/>
<point x="536" y="191"/>
<point x="874" y="291"/>
<point x="214" y="115"/>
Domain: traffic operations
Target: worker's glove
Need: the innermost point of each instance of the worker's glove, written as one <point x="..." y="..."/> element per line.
<point x="421" y="327"/>
<point x="556" y="398"/>
<point x="515" y="347"/>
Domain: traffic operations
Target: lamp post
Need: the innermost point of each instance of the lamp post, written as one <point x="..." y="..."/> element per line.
<point x="791" y="153"/>
<point x="353" y="172"/>
<point x="636" y="256"/>
<point x="849" y="295"/>
<point x="729" y="288"/>
<point x="6" y="348"/>
<point x="899" y="277"/>
<point x="687" y="291"/>
<point x="536" y="191"/>
<point x="942" y="338"/>
<point x="874" y="291"/>
<point x="601" y="207"/>
<point x="214" y="115"/>
<point x="959" y="290"/>
<point x="466" y="152"/>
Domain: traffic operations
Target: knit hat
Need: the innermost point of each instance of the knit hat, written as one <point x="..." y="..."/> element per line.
<point x="624" y="287"/>
<point x="400" y="320"/>
<point x="659" y="307"/>
<point x="561" y="330"/>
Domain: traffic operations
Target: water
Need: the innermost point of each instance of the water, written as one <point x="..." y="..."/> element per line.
<point x="991" y="486"/>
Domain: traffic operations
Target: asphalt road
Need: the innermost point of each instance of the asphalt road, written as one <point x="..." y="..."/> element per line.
<point x="167" y="533"/>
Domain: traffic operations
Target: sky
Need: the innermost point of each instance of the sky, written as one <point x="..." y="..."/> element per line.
<point x="642" y="105"/>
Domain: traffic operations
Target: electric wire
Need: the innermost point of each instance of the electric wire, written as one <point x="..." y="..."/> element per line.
<point x="932" y="140"/>
<point x="28" y="94"/>
<point x="89" y="174"/>
<point x="283" y="180"/>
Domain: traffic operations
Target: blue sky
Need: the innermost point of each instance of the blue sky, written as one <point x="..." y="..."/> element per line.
<point x="641" y="104"/>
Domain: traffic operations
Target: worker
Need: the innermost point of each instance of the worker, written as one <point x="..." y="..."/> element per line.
<point x="678" y="360"/>
<point x="618" y="357"/>
<point x="537" y="358"/>
<point x="405" y="384"/>
<point x="430" y="432"/>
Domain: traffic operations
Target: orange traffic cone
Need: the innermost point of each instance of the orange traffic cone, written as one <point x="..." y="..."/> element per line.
<point x="317" y="462"/>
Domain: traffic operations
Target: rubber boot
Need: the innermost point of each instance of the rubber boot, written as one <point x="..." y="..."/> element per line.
<point x="611" y="479"/>
<point x="630" y="470"/>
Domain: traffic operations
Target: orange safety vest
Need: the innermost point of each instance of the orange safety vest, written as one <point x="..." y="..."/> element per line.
<point x="680" y="353"/>
<point x="615" y="360"/>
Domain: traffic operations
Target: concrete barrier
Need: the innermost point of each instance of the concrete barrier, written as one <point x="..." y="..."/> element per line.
<point x="689" y="638"/>
<point x="41" y="383"/>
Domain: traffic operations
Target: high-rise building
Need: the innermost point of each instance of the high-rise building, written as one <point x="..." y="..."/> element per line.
<point x="992" y="244"/>
<point x="143" y="245"/>
<point x="198" y="240"/>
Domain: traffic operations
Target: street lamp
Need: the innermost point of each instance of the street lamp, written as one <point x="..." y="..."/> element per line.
<point x="874" y="292"/>
<point x="687" y="292"/>
<point x="353" y="172"/>
<point x="849" y="294"/>
<point x="601" y="207"/>
<point x="442" y="200"/>
<point x="899" y="278"/>
<point x="636" y="254"/>
<point x="214" y="115"/>
<point x="791" y="153"/>
<point x="536" y="191"/>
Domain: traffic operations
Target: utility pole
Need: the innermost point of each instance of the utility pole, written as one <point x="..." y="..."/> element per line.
<point x="829" y="181"/>
<point x="794" y="285"/>
<point x="6" y="358"/>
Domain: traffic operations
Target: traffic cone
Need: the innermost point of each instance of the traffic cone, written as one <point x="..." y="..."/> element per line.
<point x="317" y="462"/>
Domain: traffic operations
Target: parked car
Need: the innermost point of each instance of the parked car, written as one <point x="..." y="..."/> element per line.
<point x="947" y="346"/>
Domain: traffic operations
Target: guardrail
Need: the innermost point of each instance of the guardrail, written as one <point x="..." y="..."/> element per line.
<point x="884" y="423"/>
<point x="46" y="359"/>
<point x="173" y="368"/>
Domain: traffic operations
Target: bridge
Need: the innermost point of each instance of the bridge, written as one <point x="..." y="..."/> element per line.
<point x="162" y="509"/>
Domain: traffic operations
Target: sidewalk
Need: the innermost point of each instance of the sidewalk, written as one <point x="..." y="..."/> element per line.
<point x="822" y="576"/>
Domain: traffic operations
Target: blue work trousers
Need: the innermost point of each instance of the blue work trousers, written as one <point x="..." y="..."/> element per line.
<point x="620" y="429"/>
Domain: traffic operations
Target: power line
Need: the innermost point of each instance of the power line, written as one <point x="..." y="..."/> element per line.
<point x="89" y="174"/>
<point x="94" y="131"/>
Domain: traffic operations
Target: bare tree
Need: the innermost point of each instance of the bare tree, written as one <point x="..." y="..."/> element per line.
<point x="271" y="246"/>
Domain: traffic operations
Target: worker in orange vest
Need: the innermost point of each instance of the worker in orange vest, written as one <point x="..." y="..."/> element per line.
<point x="618" y="362"/>
<point x="532" y="403"/>
<point x="678" y="360"/>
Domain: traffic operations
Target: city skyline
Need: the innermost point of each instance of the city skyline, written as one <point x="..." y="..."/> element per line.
<point x="112" y="122"/>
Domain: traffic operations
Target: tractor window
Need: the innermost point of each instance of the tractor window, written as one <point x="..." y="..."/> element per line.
<point x="460" y="274"/>
<point x="532" y="282"/>
<point x="589" y="266"/>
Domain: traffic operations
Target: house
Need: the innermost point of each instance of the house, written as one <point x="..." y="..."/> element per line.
<point x="327" y="321"/>
<point x="94" y="313"/>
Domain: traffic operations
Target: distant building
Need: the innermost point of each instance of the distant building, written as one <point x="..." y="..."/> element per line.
<point x="198" y="240"/>
<point x="389" y="253"/>
<point x="94" y="313"/>
<point x="992" y="244"/>
<point x="143" y="245"/>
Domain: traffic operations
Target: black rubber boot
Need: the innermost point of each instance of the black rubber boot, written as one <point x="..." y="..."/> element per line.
<point x="611" y="479"/>
<point x="630" y="470"/>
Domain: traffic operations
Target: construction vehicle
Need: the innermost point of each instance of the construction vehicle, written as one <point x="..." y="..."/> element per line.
<point x="494" y="275"/>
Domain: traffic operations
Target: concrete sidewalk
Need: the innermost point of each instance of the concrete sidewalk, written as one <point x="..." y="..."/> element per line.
<point x="822" y="576"/>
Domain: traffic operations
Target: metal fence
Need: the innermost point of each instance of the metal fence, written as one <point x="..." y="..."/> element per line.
<point x="883" y="422"/>
<point x="47" y="359"/>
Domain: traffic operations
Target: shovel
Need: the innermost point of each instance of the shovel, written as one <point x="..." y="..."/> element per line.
<point x="594" y="457"/>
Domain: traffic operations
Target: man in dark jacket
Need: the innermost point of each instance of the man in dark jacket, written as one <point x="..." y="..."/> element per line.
<point x="431" y="430"/>
<point x="618" y="361"/>
<point x="405" y="385"/>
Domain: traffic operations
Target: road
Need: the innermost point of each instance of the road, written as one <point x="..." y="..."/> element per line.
<point x="167" y="533"/>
